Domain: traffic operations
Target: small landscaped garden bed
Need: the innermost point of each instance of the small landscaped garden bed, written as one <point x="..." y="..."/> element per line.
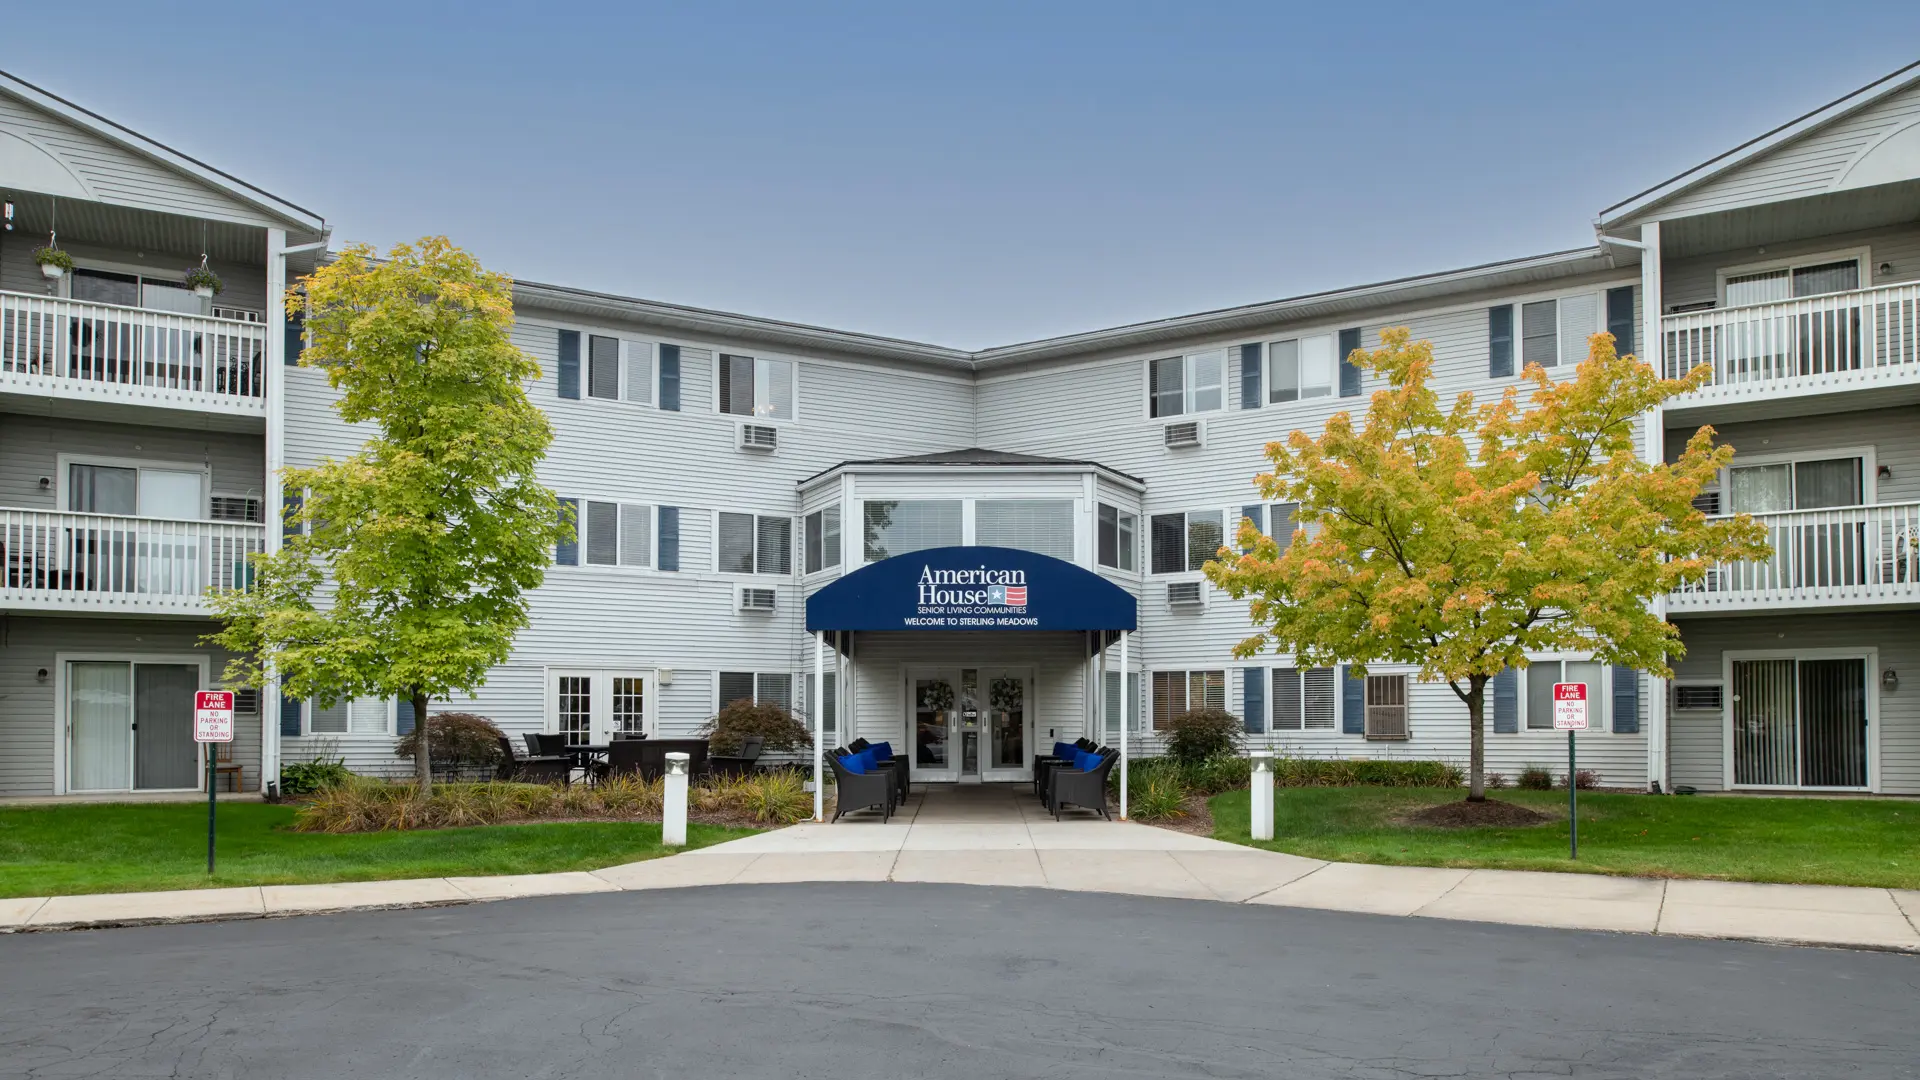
<point x="1798" y="840"/>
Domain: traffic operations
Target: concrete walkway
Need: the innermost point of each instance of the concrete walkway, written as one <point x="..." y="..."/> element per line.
<point x="995" y="835"/>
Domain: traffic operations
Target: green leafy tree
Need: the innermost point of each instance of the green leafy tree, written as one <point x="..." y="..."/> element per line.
<point x="409" y="573"/>
<point x="1461" y="539"/>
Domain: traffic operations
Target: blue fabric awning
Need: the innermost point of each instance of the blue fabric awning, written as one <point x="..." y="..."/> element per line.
<point x="971" y="588"/>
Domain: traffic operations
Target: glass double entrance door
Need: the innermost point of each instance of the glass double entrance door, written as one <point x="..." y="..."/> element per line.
<point x="130" y="726"/>
<point x="970" y="724"/>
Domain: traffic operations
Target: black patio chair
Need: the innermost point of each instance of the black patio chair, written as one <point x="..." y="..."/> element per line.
<point x="623" y="758"/>
<point x="550" y="745"/>
<point x="533" y="744"/>
<point x="1075" y="787"/>
<point x="532" y="770"/>
<point x="739" y="764"/>
<point x="897" y="764"/>
<point x="861" y="791"/>
<point x="1044" y="763"/>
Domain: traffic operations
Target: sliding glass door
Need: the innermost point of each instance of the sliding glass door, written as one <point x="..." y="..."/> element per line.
<point x="130" y="726"/>
<point x="1800" y="723"/>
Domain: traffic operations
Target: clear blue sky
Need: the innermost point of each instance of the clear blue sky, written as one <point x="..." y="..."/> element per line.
<point x="970" y="174"/>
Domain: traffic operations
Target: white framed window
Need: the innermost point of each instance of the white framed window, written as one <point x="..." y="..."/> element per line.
<point x="608" y="533"/>
<point x="1807" y="481"/>
<point x="1118" y="538"/>
<point x="822" y="539"/>
<point x="1122" y="707"/>
<point x="354" y="716"/>
<point x="897" y="526"/>
<point x="1554" y="333"/>
<point x="1305" y="699"/>
<point x="1042" y="526"/>
<point x="1536" y="705"/>
<point x="129" y="487"/>
<point x="134" y="287"/>
<point x="754" y="544"/>
<point x="756" y="386"/>
<point x="759" y="687"/>
<point x="1175" y="692"/>
<point x="591" y="705"/>
<point x="1302" y="367"/>
<point x="1386" y="707"/>
<point x="830" y="705"/>
<point x="619" y="369"/>
<point x="1185" y="542"/>
<point x="1181" y="385"/>
<point x="1793" y="278"/>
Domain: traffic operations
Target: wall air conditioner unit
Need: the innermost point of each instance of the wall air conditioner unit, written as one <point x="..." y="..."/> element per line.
<point x="759" y="437"/>
<point x="1185" y="594"/>
<point x="1708" y="502"/>
<point x="234" y="508"/>
<point x="752" y="599"/>
<point x="1184" y="434"/>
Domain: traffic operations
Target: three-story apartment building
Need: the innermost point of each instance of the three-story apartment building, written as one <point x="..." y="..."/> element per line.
<point x="731" y="475"/>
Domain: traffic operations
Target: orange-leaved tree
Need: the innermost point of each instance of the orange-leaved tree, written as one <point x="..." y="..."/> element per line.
<point x="1463" y="538"/>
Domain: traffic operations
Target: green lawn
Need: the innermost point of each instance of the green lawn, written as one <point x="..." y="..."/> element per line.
<point x="1806" y="840"/>
<point x="131" y="848"/>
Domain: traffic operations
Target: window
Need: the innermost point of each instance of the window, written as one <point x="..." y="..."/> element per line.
<point x="823" y="539"/>
<point x="357" y="716"/>
<point x="591" y="705"/>
<point x="1283" y="527"/>
<point x="761" y="688"/>
<point x="1791" y="281"/>
<point x="135" y="490"/>
<point x="1300" y="368"/>
<point x="1540" y="679"/>
<point x="1121" y="706"/>
<point x="603" y="367"/>
<point x="1796" y="485"/>
<point x="1387" y="707"/>
<point x="1304" y="699"/>
<point x="756" y="386"/>
<point x="576" y="708"/>
<point x="629" y="704"/>
<point x="830" y="706"/>
<point x="1119" y="538"/>
<point x="1183" y="542"/>
<point x="896" y="527"/>
<point x="135" y="290"/>
<point x="1554" y="333"/>
<point x="1175" y="692"/>
<point x="1178" y="385"/>
<point x="1042" y="526"/>
<point x="755" y="544"/>
<point x="606" y="534"/>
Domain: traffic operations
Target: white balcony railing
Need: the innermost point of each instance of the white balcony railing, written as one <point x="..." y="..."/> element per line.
<point x="80" y="349"/>
<point x="1843" y="555"/>
<point x="1841" y="341"/>
<point x="102" y="562"/>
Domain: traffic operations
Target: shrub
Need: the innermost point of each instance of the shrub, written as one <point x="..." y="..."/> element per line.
<point x="1584" y="779"/>
<point x="1494" y="780"/>
<point x="1535" y="778"/>
<point x="1158" y="797"/>
<point x="312" y="777"/>
<point x="454" y="738"/>
<point x="779" y="730"/>
<point x="1199" y="734"/>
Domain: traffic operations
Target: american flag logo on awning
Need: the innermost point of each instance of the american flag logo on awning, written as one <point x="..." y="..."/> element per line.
<point x="1016" y="596"/>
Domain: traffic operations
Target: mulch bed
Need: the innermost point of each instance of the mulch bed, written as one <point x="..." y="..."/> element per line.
<point x="1491" y="813"/>
<point x="1195" y="817"/>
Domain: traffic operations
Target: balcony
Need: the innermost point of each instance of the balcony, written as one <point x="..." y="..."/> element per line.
<point x="55" y="561"/>
<point x="131" y="356"/>
<point x="1851" y="556"/>
<point x="1794" y="349"/>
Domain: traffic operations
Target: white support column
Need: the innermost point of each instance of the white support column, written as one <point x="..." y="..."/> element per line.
<point x="819" y="722"/>
<point x="1652" y="348"/>
<point x="1124" y="725"/>
<point x="1100" y="693"/>
<point x="273" y="381"/>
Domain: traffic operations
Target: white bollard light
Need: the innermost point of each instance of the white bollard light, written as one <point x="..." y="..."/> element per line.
<point x="1262" y="824"/>
<point x="673" y="815"/>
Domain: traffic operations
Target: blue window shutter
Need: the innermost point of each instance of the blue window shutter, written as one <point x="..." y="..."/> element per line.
<point x="570" y="364"/>
<point x="1353" y="702"/>
<point x="1626" y="701"/>
<point x="1256" y="513"/>
<point x="402" y="716"/>
<point x="1620" y="318"/>
<point x="566" y="552"/>
<point x="1506" y="702"/>
<point x="1500" y="342"/>
<point x="296" y="338"/>
<point x="289" y="717"/>
<point x="1253" y="700"/>
<point x="1249" y="376"/>
<point x="290" y="504"/>
<point x="669" y="536"/>
<point x="1349" y="372"/>
<point x="670" y="378"/>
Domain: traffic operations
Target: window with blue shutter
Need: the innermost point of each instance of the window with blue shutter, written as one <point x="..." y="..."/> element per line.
<point x="1253" y="700"/>
<point x="290" y="504"/>
<point x="1353" y="702"/>
<point x="570" y="364"/>
<point x="1257" y="514"/>
<point x="1500" y="342"/>
<point x="1626" y="701"/>
<point x="566" y="550"/>
<point x="296" y="340"/>
<point x="1620" y="318"/>
<point x="1349" y="371"/>
<point x="1506" y="702"/>
<point x="402" y="716"/>
<point x="1250" y="376"/>
<point x="669" y="534"/>
<point x="670" y="379"/>
<point x="289" y="717"/>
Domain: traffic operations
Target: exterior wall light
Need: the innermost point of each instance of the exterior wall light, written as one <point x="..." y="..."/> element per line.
<point x="1889" y="681"/>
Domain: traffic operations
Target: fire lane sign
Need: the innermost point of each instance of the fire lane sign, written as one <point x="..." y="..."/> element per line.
<point x="1569" y="706"/>
<point x="213" y="716"/>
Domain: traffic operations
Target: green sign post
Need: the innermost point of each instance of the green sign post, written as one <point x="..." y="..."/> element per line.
<point x="1570" y="716"/>
<point x="212" y="725"/>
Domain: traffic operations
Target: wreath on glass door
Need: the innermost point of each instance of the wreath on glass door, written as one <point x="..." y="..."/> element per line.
<point x="936" y="696"/>
<point x="1007" y="695"/>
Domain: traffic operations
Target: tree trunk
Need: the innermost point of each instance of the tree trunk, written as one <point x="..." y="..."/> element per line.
<point x="1476" y="740"/>
<point x="422" y="753"/>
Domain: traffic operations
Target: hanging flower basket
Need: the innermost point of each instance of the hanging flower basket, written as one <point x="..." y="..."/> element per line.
<point x="54" y="263"/>
<point x="203" y="282"/>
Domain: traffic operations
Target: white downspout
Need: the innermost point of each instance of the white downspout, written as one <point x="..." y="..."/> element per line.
<point x="1124" y="725"/>
<point x="275" y="384"/>
<point x="1652" y="347"/>
<point x="819" y="722"/>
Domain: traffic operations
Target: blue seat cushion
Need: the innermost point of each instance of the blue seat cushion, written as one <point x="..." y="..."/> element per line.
<point x="1086" y="762"/>
<point x="1065" y="751"/>
<point x="853" y="764"/>
<point x="868" y="762"/>
<point x="881" y="751"/>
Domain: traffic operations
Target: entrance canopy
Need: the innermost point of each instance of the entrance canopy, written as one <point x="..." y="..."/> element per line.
<point x="971" y="588"/>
